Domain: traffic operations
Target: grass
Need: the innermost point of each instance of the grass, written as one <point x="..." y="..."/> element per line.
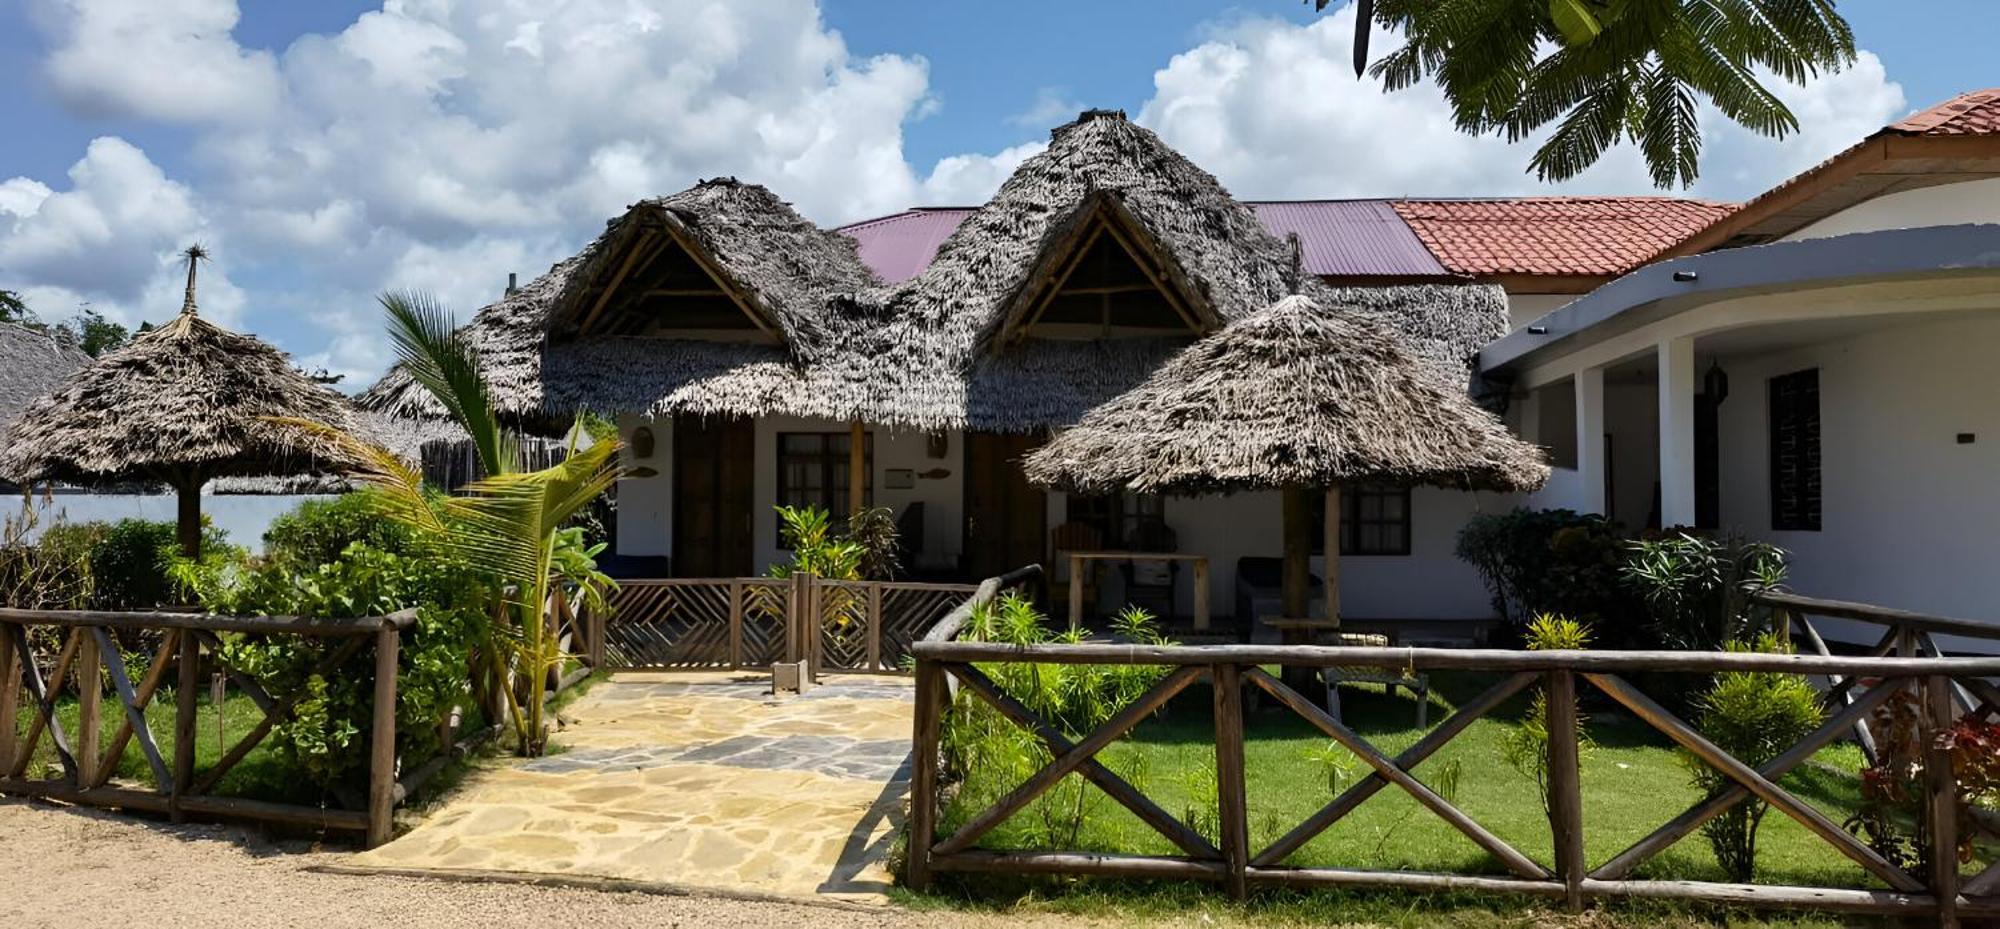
<point x="262" y="774"/>
<point x="1633" y="781"/>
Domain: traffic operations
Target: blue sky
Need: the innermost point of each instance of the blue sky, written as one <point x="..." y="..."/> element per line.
<point x="330" y="149"/>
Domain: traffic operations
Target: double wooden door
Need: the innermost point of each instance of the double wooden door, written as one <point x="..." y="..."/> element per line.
<point x="1006" y="518"/>
<point x="714" y="463"/>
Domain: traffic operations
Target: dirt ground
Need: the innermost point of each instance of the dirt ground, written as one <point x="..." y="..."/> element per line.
<point x="70" y="868"/>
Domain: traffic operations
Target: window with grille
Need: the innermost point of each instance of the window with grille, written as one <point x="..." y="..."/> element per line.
<point x="812" y="471"/>
<point x="1374" y="520"/>
<point x="1795" y="488"/>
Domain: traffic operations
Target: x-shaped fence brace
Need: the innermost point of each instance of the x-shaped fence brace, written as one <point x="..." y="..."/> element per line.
<point x="1760" y="783"/>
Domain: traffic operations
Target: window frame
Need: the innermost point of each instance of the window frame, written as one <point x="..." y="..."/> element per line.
<point x="1351" y="521"/>
<point x="830" y="459"/>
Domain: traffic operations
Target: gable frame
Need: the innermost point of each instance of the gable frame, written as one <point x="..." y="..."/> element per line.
<point x="1104" y="214"/>
<point x="656" y="230"/>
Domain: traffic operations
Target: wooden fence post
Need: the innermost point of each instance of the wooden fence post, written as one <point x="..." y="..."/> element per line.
<point x="89" y="705"/>
<point x="736" y="625"/>
<point x="1232" y="804"/>
<point x="1565" y="788"/>
<point x="875" y="626"/>
<point x="929" y="716"/>
<point x="594" y="622"/>
<point x="382" y="738"/>
<point x="10" y="699"/>
<point x="1943" y="806"/>
<point x="186" y="691"/>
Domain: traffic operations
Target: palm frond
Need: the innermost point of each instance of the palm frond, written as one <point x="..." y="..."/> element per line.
<point x="438" y="356"/>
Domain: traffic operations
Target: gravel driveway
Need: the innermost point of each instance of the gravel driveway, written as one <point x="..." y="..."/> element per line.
<point x="76" y="868"/>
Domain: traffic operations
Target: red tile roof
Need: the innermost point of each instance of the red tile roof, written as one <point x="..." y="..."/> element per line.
<point x="1976" y="113"/>
<point x="1585" y="236"/>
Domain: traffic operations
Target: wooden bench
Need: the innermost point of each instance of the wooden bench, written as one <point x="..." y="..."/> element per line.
<point x="1325" y="632"/>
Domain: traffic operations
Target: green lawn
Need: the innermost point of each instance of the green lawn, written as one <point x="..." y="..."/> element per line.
<point x="260" y="775"/>
<point x="1633" y="781"/>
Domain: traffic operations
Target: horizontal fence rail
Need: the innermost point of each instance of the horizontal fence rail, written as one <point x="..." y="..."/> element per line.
<point x="188" y="644"/>
<point x="944" y="665"/>
<point x="754" y="622"/>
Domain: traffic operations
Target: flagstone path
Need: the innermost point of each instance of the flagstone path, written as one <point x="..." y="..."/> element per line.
<point x="697" y="779"/>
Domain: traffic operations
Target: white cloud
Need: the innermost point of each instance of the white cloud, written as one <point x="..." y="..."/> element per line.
<point x="158" y="59"/>
<point x="1274" y="110"/>
<point x="440" y="145"/>
<point x="106" y="239"/>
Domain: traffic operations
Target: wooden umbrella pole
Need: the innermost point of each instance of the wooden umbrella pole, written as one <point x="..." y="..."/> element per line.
<point x="857" y="467"/>
<point x="1332" y="570"/>
<point x="1298" y="554"/>
<point x="188" y="523"/>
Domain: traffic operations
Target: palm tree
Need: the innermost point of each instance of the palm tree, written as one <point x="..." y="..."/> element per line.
<point x="1606" y="71"/>
<point x="506" y="523"/>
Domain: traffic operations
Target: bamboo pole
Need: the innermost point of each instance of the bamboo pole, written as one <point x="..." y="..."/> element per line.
<point x="1332" y="569"/>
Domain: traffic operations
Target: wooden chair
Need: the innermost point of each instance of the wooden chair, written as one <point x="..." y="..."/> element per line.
<point x="1322" y="632"/>
<point x="1064" y="539"/>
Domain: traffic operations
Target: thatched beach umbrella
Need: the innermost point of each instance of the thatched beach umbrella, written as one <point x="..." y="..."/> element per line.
<point x="181" y="405"/>
<point x="1299" y="398"/>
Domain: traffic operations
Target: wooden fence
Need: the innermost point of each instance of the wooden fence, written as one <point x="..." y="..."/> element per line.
<point x="1231" y="860"/>
<point x="189" y="643"/>
<point x="753" y="622"/>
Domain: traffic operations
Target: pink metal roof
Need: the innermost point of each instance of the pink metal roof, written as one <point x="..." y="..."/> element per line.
<point x="899" y="245"/>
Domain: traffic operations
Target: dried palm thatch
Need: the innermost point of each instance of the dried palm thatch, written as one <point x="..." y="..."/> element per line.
<point x="180" y="405"/>
<point x="1297" y="395"/>
<point x="32" y="363"/>
<point x="923" y="353"/>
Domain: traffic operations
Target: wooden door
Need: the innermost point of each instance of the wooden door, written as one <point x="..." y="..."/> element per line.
<point x="714" y="461"/>
<point x="1006" y="518"/>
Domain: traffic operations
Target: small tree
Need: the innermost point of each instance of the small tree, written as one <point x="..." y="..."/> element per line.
<point x="1526" y="748"/>
<point x="1754" y="716"/>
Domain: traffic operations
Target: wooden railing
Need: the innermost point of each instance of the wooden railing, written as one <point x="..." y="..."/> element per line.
<point x="1231" y="860"/>
<point x="1904" y="634"/>
<point x="753" y="622"/>
<point x="188" y="644"/>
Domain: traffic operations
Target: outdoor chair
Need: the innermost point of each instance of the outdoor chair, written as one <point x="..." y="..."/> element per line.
<point x="1064" y="539"/>
<point x="1416" y="682"/>
<point x="1152" y="581"/>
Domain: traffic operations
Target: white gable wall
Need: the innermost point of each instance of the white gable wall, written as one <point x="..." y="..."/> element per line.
<point x="1941" y="205"/>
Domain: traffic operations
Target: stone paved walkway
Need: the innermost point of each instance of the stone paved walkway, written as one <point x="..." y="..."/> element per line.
<point x="697" y="779"/>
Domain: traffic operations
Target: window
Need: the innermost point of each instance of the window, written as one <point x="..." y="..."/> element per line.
<point x="1115" y="516"/>
<point x="1374" y="520"/>
<point x="812" y="470"/>
<point x="1795" y="451"/>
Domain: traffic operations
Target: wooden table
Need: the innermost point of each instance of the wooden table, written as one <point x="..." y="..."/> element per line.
<point x="1077" y="560"/>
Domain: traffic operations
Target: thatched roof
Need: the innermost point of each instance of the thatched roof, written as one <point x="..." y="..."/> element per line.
<point x="186" y="399"/>
<point x="32" y="363"/>
<point x="784" y="267"/>
<point x="1297" y="395"/>
<point x="925" y="353"/>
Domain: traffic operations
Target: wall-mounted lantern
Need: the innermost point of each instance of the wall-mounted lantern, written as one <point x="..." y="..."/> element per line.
<point x="1715" y="384"/>
<point x="937" y="445"/>
<point x="641" y="445"/>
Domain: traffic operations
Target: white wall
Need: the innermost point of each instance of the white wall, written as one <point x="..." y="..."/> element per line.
<point x="243" y="516"/>
<point x="1909" y="516"/>
<point x="1941" y="205"/>
<point x="1523" y="309"/>
<point x="646" y="504"/>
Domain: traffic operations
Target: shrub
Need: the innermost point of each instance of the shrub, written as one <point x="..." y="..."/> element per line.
<point x="1552" y="561"/>
<point x="1895" y="790"/>
<point x="1754" y="716"/>
<point x="318" y="531"/>
<point x="874" y="530"/>
<point x="989" y="754"/>
<point x="1696" y="590"/>
<point x="131" y="563"/>
<point x="1526" y="747"/>
<point x="808" y="532"/>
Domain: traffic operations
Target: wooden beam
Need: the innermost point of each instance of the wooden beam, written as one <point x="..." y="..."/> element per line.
<point x="155" y="674"/>
<point x="926" y="723"/>
<point x="1514" y="861"/>
<point x="135" y="715"/>
<point x="1232" y="802"/>
<point x="10" y="697"/>
<point x="1140" y="252"/>
<point x="723" y="282"/>
<point x="44" y="695"/>
<point x="857" y="468"/>
<point x="382" y="740"/>
<point x="1565" y="790"/>
<point x="1815" y="822"/>
<point x="1042" y="288"/>
<point x="1331" y="571"/>
<point x="645" y="238"/>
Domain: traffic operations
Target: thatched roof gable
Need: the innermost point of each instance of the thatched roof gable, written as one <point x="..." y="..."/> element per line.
<point x="32" y="363"/>
<point x="187" y="399"/>
<point x="1297" y="395"/>
<point x="1103" y="220"/>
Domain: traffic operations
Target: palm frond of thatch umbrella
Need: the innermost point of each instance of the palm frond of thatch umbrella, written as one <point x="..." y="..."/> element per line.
<point x="180" y="405"/>
<point x="1295" y="397"/>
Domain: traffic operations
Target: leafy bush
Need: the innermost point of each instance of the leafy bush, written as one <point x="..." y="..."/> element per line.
<point x="808" y="532"/>
<point x="989" y="754"/>
<point x="874" y="530"/>
<point x="1552" y="561"/>
<point x="1526" y="747"/>
<point x="318" y="531"/>
<point x="326" y="739"/>
<point x="1754" y="716"/>
<point x="1895" y="790"/>
<point x="1696" y="590"/>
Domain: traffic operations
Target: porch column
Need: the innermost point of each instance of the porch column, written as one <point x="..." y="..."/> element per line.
<point x="1677" y="386"/>
<point x="1590" y="441"/>
<point x="857" y="467"/>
